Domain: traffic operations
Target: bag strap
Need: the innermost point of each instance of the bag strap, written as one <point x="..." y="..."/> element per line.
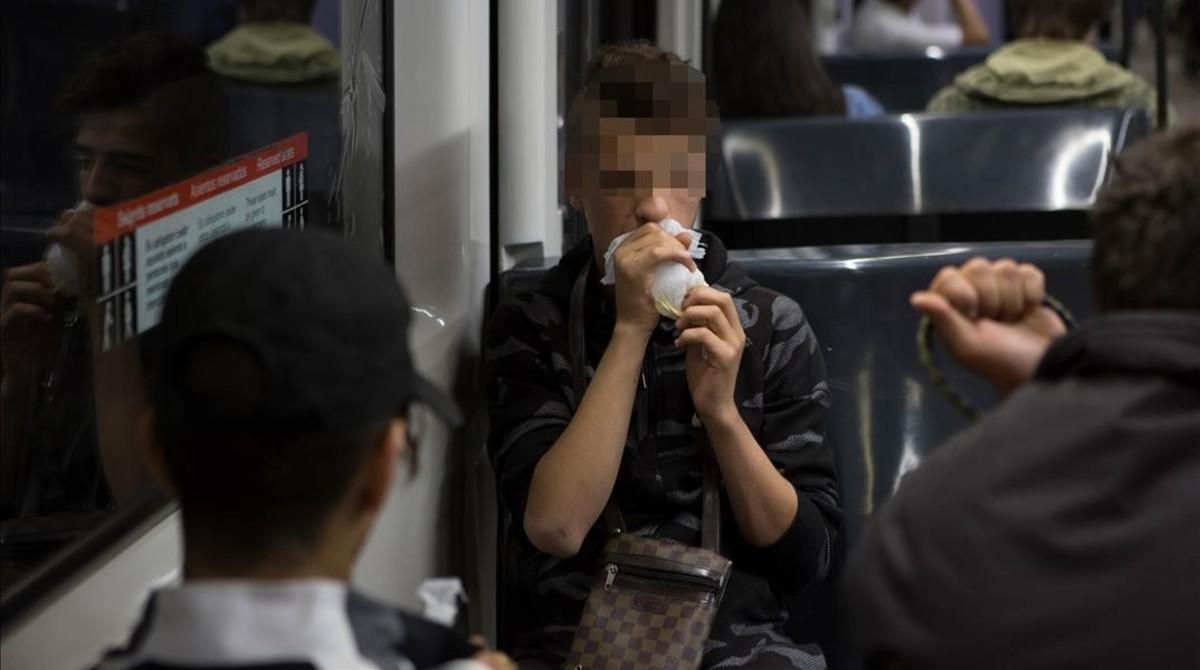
<point x="710" y="521"/>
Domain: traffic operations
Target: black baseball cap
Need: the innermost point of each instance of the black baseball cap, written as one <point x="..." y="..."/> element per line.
<point x="322" y="325"/>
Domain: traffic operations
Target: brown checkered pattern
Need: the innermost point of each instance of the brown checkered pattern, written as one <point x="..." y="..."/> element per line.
<point x="627" y="627"/>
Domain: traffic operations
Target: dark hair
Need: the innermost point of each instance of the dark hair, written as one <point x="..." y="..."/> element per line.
<point x="278" y="10"/>
<point x="1058" y="19"/>
<point x="167" y="78"/>
<point x="263" y="488"/>
<point x="1146" y="226"/>
<point x="637" y="80"/>
<point x="764" y="63"/>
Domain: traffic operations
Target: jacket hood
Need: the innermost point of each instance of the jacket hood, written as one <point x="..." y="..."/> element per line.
<point x="274" y="53"/>
<point x="1042" y="71"/>
<point x="1158" y="343"/>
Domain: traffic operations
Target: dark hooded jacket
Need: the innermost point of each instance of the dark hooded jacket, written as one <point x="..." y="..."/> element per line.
<point x="1062" y="531"/>
<point x="781" y="393"/>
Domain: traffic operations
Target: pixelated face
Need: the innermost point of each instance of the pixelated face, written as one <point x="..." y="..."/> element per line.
<point x="119" y="157"/>
<point x="640" y="155"/>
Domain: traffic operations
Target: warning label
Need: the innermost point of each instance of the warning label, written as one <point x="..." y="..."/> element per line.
<point x="141" y="244"/>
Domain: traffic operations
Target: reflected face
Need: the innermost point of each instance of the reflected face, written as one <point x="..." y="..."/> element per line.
<point x="637" y="178"/>
<point x="119" y="157"/>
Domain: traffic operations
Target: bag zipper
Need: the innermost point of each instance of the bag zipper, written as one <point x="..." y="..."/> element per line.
<point x="662" y="571"/>
<point x="618" y="576"/>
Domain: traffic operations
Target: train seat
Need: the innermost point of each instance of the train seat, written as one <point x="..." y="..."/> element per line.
<point x="903" y="82"/>
<point x="907" y="82"/>
<point x="994" y="176"/>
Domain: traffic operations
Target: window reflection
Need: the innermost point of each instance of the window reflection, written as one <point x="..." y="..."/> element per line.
<point x="105" y="102"/>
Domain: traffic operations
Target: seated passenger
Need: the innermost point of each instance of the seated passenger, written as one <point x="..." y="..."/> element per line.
<point x="280" y="404"/>
<point x="147" y="113"/>
<point x="739" y="376"/>
<point x="884" y="27"/>
<point x="275" y="43"/>
<point x="1063" y="530"/>
<point x="764" y="65"/>
<point x="1051" y="65"/>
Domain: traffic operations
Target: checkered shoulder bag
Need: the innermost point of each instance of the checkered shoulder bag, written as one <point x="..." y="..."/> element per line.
<point x="652" y="604"/>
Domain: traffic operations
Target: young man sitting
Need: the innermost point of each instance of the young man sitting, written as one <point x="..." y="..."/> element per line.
<point x="737" y="376"/>
<point x="280" y="400"/>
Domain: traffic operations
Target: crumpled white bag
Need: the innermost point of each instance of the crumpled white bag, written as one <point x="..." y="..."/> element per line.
<point x="63" y="263"/>
<point x="672" y="280"/>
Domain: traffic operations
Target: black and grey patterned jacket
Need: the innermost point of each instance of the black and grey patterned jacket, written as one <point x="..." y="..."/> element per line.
<point x="782" y="395"/>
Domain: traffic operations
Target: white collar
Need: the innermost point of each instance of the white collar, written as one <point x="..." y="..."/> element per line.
<point x="242" y="622"/>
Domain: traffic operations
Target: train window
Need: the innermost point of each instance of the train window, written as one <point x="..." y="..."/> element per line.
<point x="135" y="131"/>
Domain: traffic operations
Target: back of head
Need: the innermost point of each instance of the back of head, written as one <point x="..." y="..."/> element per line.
<point x="764" y="63"/>
<point x="635" y="83"/>
<point x="1146" y="226"/>
<point x="283" y="358"/>
<point x="1058" y="19"/>
<point x="170" y="82"/>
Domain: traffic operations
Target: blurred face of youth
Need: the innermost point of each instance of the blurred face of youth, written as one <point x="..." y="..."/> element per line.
<point x="627" y="179"/>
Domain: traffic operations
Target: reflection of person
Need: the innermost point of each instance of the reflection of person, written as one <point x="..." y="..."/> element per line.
<point x="741" y="378"/>
<point x="147" y="113"/>
<point x="1052" y="65"/>
<point x="764" y="65"/>
<point x="1062" y="531"/>
<point x="894" y="27"/>
<point x="274" y="43"/>
<point x="303" y="388"/>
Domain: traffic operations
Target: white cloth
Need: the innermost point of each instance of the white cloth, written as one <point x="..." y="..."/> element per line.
<point x="881" y="27"/>
<point x="672" y="281"/>
<point x="215" y="623"/>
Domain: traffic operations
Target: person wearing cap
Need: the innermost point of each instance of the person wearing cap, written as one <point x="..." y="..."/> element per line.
<point x="737" y="380"/>
<point x="279" y="408"/>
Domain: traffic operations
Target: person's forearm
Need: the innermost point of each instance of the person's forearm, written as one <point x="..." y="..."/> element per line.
<point x="120" y="399"/>
<point x="764" y="502"/>
<point x="974" y="28"/>
<point x="573" y="480"/>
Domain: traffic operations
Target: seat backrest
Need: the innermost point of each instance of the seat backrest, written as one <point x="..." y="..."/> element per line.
<point x="777" y="175"/>
<point x="903" y="83"/>
<point x="885" y="415"/>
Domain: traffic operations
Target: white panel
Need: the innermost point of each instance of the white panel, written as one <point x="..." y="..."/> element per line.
<point x="528" y="150"/>
<point x="98" y="612"/>
<point x="441" y="251"/>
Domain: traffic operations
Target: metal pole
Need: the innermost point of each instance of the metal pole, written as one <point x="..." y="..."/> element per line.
<point x="1160" y="61"/>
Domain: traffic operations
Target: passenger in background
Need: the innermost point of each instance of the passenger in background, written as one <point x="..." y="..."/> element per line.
<point x="739" y="377"/>
<point x="1053" y="64"/>
<point x="884" y="27"/>
<point x="764" y="65"/>
<point x="274" y="43"/>
<point x="148" y="112"/>
<point x="1063" y="530"/>
<point x="280" y="401"/>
